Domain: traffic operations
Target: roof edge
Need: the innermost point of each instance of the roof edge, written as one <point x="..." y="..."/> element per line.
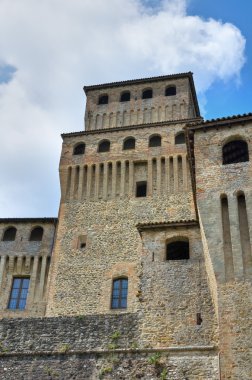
<point x="136" y="81"/>
<point x="28" y="220"/>
<point x="220" y="122"/>
<point x="179" y="223"/>
<point x="130" y="127"/>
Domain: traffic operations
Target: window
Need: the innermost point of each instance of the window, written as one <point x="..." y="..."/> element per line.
<point x="129" y="143"/>
<point x="79" y="149"/>
<point x="119" y="293"/>
<point x="103" y="99"/>
<point x="155" y="141"/>
<point x="170" y="91"/>
<point x="104" y="146"/>
<point x="235" y="151"/>
<point x="141" y="189"/>
<point x="19" y="293"/>
<point x="180" y="138"/>
<point x="10" y="234"/>
<point x="125" y="96"/>
<point x="36" y="234"/>
<point x="177" y="250"/>
<point x="82" y="242"/>
<point x="147" y="94"/>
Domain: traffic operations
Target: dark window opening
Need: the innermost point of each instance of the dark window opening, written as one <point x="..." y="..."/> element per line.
<point x="103" y="99"/>
<point x="19" y="293"/>
<point x="129" y="143"/>
<point x="177" y="250"/>
<point x="37" y="234"/>
<point x="10" y="234"/>
<point x="79" y="149"/>
<point x="104" y="146"/>
<point x="170" y="91"/>
<point x="180" y="138"/>
<point x="155" y="141"/>
<point x="119" y="293"/>
<point x="125" y="96"/>
<point x="82" y="245"/>
<point x="141" y="189"/>
<point x="199" y="319"/>
<point x="147" y="94"/>
<point x="235" y="151"/>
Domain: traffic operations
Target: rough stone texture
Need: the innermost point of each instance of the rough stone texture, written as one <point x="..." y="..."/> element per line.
<point x="185" y="319"/>
<point x="138" y="110"/>
<point x="231" y="283"/>
<point x="86" y="348"/>
<point x="23" y="257"/>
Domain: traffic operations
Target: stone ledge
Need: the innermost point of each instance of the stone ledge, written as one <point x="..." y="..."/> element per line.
<point x="182" y="349"/>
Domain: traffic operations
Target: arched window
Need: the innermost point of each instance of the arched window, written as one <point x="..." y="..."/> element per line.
<point x="103" y="99"/>
<point x="177" y="250"/>
<point x="125" y="96"/>
<point x="180" y="138"/>
<point x="147" y="94"/>
<point x="170" y="91"/>
<point x="235" y="151"/>
<point x="155" y="141"/>
<point x="36" y="234"/>
<point x="104" y="146"/>
<point x="129" y="143"/>
<point x="10" y="234"/>
<point x="119" y="293"/>
<point x="79" y="149"/>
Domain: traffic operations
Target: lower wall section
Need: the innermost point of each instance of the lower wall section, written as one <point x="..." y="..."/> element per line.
<point x="95" y="347"/>
<point x="116" y="366"/>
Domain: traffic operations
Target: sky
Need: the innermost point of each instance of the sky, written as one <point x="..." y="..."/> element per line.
<point x="50" y="49"/>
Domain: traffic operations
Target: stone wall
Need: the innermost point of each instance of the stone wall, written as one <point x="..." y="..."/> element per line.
<point x="227" y="235"/>
<point x="25" y="258"/>
<point x="137" y="110"/>
<point x="95" y="347"/>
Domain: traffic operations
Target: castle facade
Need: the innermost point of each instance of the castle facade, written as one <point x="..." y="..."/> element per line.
<point x="146" y="273"/>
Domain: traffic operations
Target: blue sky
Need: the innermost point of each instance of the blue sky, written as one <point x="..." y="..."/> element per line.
<point x="229" y="98"/>
<point x="47" y="54"/>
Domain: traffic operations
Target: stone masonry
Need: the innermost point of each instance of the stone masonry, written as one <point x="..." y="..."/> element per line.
<point x="146" y="176"/>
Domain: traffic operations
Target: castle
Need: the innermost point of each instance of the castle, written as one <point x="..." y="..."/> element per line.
<point x="146" y="273"/>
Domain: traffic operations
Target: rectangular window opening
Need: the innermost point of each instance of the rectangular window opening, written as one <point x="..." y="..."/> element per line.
<point x="19" y="292"/>
<point x="141" y="189"/>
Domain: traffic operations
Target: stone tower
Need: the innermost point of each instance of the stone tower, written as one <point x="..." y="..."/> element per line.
<point x="151" y="265"/>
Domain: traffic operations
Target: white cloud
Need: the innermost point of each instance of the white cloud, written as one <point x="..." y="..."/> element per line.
<point x="57" y="46"/>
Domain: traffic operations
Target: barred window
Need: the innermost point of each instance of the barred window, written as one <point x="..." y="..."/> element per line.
<point x="235" y="151"/>
<point x="19" y="293"/>
<point x="119" y="293"/>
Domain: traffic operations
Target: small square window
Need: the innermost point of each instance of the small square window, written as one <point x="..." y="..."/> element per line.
<point x="141" y="189"/>
<point x="82" y="242"/>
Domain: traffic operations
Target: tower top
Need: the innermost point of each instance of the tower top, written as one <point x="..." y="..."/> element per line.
<point x="141" y="101"/>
